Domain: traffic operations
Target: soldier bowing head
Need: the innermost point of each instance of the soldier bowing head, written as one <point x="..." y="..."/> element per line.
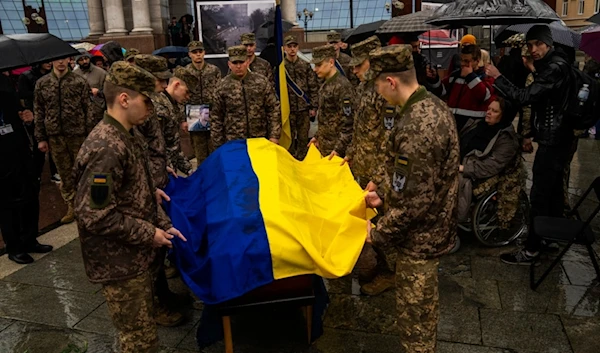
<point x="179" y="85"/>
<point x="393" y="70"/>
<point x="157" y="66"/>
<point x="238" y="61"/>
<point x="324" y="60"/>
<point x="360" y="56"/>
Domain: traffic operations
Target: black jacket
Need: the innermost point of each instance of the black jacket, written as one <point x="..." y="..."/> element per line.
<point x="26" y="84"/>
<point x="547" y="98"/>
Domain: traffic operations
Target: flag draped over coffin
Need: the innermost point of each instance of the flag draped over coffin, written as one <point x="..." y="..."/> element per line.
<point x="253" y="214"/>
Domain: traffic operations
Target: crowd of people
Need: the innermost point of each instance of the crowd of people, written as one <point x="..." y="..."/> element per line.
<point x="418" y="143"/>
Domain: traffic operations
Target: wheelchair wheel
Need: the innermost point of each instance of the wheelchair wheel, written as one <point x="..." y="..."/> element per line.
<point x="485" y="221"/>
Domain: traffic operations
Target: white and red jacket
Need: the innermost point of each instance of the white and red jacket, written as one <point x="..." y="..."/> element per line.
<point x="468" y="97"/>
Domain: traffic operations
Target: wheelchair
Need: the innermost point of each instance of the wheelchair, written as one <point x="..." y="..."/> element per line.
<point x="485" y="225"/>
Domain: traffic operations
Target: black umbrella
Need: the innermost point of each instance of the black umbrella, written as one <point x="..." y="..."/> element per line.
<point x="595" y="18"/>
<point x="172" y="51"/>
<point x="560" y="33"/>
<point x="363" y="32"/>
<point x="19" y="50"/>
<point x="498" y="12"/>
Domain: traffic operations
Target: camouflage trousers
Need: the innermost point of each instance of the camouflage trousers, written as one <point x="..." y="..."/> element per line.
<point x="417" y="302"/>
<point x="64" y="150"/>
<point x="299" y="126"/>
<point x="201" y="144"/>
<point x="131" y="310"/>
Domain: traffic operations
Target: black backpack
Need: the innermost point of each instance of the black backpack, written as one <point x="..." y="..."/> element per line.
<point x="583" y="116"/>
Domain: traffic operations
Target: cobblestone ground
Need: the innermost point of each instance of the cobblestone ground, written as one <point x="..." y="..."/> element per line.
<point x="486" y="306"/>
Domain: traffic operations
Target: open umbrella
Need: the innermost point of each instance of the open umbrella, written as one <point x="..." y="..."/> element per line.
<point x="438" y="37"/>
<point x="20" y="50"/>
<point x="363" y="32"/>
<point x="590" y="42"/>
<point x="411" y="23"/>
<point x="172" y="51"/>
<point x="463" y="13"/>
<point x="595" y="19"/>
<point x="85" y="45"/>
<point x="560" y="33"/>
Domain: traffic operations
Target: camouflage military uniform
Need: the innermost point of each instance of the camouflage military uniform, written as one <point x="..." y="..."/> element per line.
<point x="343" y="59"/>
<point x="63" y="118"/>
<point x="420" y="202"/>
<point x="169" y="114"/>
<point x="245" y="108"/>
<point x="304" y="77"/>
<point x="117" y="216"/>
<point x="204" y="93"/>
<point x="258" y="65"/>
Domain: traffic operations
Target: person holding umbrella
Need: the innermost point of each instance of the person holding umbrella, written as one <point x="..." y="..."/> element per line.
<point x="554" y="134"/>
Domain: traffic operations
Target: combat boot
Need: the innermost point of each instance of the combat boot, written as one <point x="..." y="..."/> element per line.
<point x="69" y="217"/>
<point x="380" y="284"/>
<point x="167" y="318"/>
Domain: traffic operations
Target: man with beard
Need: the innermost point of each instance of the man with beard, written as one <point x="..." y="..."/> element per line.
<point x="95" y="77"/>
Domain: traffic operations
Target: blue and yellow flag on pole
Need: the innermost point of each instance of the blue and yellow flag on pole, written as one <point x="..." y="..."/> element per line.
<point x="280" y="82"/>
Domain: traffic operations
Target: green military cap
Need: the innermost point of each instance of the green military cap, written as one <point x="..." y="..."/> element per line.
<point x="237" y="53"/>
<point x="248" y="38"/>
<point x="156" y="65"/>
<point x="361" y="50"/>
<point x="334" y="37"/>
<point x="323" y="52"/>
<point x="393" y="58"/>
<point x="132" y="77"/>
<point x="290" y="40"/>
<point x="186" y="76"/>
<point x="131" y="52"/>
<point x="195" y="45"/>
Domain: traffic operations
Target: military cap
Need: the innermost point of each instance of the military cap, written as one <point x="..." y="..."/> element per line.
<point x="131" y="52"/>
<point x="291" y="39"/>
<point x="323" y="52"/>
<point x="186" y="76"/>
<point x="248" y="38"/>
<point x="195" y="45"/>
<point x="237" y="53"/>
<point x="393" y="58"/>
<point x="156" y="65"/>
<point x="361" y="50"/>
<point x="132" y="77"/>
<point x="334" y="37"/>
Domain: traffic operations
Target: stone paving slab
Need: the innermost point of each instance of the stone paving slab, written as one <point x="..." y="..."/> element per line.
<point x="450" y="347"/>
<point x="4" y="323"/>
<point x="480" y="293"/>
<point x="459" y="323"/>
<point x="583" y="333"/>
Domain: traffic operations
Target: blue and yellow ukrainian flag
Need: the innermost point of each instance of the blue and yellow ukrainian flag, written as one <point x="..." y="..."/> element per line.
<point x="253" y="214"/>
<point x="281" y="83"/>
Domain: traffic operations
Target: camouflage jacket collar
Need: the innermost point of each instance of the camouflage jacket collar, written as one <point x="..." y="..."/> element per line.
<point x="197" y="69"/>
<point x="417" y="96"/>
<point x="235" y="77"/>
<point x="337" y="73"/>
<point x="170" y="98"/>
<point x="63" y="77"/>
<point x="112" y="121"/>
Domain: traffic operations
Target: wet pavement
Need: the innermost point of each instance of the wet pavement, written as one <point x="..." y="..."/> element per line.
<point x="486" y="306"/>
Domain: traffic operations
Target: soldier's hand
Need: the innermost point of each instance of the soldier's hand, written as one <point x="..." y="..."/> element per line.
<point x="527" y="146"/>
<point x="333" y="154"/>
<point x="313" y="141"/>
<point x="371" y="186"/>
<point x="344" y="161"/>
<point x="172" y="172"/>
<point x="461" y="168"/>
<point x="162" y="238"/>
<point x="312" y="112"/>
<point x="160" y="196"/>
<point x="369" y="240"/>
<point x="26" y="115"/>
<point x="492" y="71"/>
<point x="275" y="141"/>
<point x="184" y="126"/>
<point x="177" y="233"/>
<point x="95" y="91"/>
<point x="43" y="146"/>
<point x="372" y="200"/>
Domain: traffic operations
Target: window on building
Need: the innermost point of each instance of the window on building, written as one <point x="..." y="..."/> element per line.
<point x="337" y="14"/>
<point x="565" y="8"/>
<point x="597" y="6"/>
<point x="581" y="7"/>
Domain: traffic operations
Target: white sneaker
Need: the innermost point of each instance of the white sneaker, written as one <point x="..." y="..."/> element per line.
<point x="55" y="178"/>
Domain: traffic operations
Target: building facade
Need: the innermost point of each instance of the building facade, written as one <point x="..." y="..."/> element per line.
<point x="576" y="12"/>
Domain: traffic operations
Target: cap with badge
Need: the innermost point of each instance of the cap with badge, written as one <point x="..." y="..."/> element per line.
<point x="248" y="38"/>
<point x="156" y="65"/>
<point x="131" y="52"/>
<point x="132" y="77"/>
<point x="322" y="53"/>
<point x="393" y="58"/>
<point x="186" y="76"/>
<point x="237" y="53"/>
<point x="195" y="45"/>
<point x="291" y="39"/>
<point x="361" y="50"/>
<point x="333" y="37"/>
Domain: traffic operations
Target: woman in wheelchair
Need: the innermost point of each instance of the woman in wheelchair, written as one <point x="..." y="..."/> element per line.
<point x="492" y="170"/>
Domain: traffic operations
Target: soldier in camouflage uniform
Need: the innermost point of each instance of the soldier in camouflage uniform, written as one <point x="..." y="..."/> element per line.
<point x="343" y="60"/>
<point x="303" y="104"/>
<point x="120" y="223"/>
<point x="256" y="64"/>
<point x="336" y="105"/>
<point x="246" y="105"/>
<point x="63" y="118"/>
<point x="373" y="121"/>
<point x="208" y="76"/>
<point x="420" y="201"/>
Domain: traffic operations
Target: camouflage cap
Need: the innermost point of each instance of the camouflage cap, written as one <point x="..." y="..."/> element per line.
<point x="195" y="45"/>
<point x="334" y="37"/>
<point x="156" y="65"/>
<point x="393" y="58"/>
<point x="248" y="38"/>
<point x="237" y="53"/>
<point x="131" y="52"/>
<point x="323" y="52"/>
<point x="361" y="50"/>
<point x="132" y="77"/>
<point x="291" y="39"/>
<point x="186" y="76"/>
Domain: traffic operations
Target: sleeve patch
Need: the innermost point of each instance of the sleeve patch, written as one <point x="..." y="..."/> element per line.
<point x="401" y="173"/>
<point x="100" y="190"/>
<point x="347" y="106"/>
